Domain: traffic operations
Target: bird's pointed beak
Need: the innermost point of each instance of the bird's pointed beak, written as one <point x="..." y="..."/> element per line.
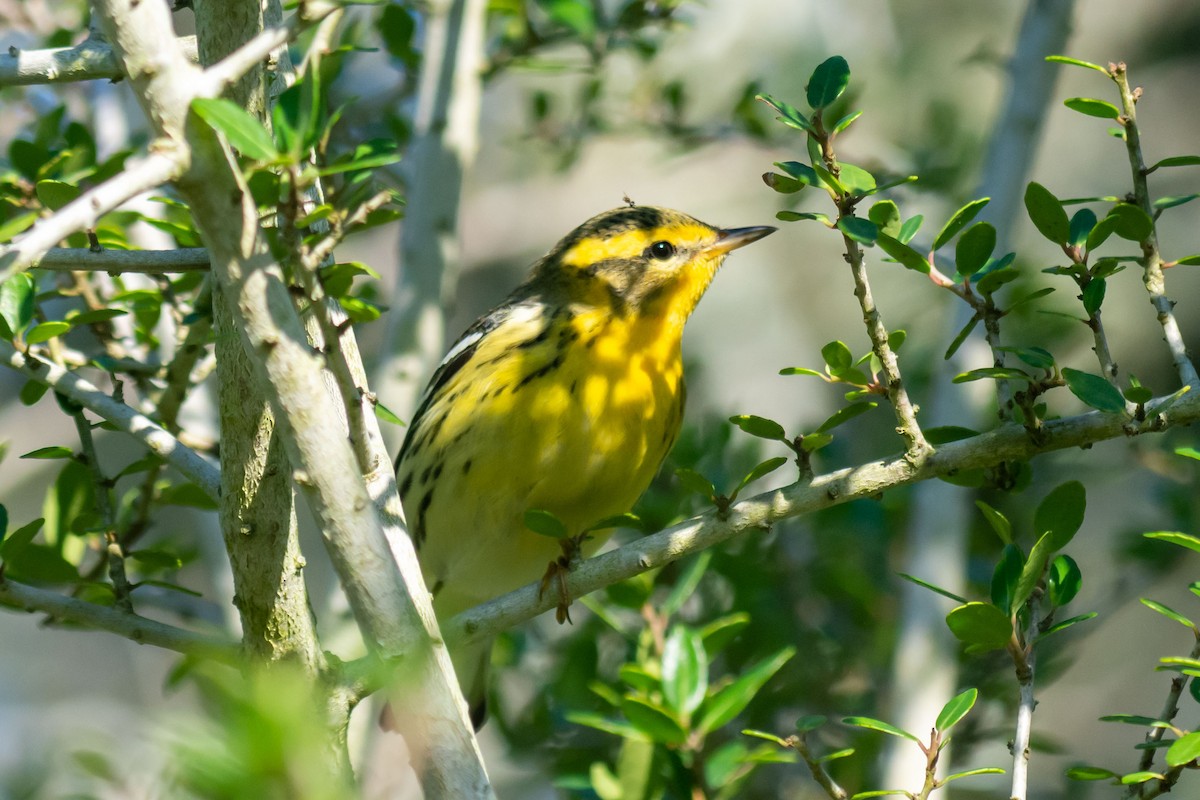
<point x="733" y="238"/>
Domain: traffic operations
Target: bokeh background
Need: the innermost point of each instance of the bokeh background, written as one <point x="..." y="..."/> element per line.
<point x="673" y="128"/>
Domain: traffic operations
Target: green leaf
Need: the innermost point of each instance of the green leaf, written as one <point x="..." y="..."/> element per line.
<point x="689" y="578"/>
<point x="1175" y="537"/>
<point x="827" y="82"/>
<point x="1188" y="452"/>
<point x="1066" y="623"/>
<point x="244" y="132"/>
<point x="761" y="427"/>
<point x="993" y="373"/>
<point x="959" y="221"/>
<point x="845" y="121"/>
<point x="723" y="630"/>
<point x="385" y="414"/>
<point x="989" y="280"/>
<point x="974" y="248"/>
<point x="845" y="414"/>
<point x="812" y="442"/>
<point x="857" y="180"/>
<point x="545" y="523"/>
<point x="16" y="304"/>
<point x="602" y="723"/>
<point x="872" y="724"/>
<point x="944" y="434"/>
<point x="896" y="339"/>
<point x="1006" y="576"/>
<point x="1184" y="750"/>
<point x="50" y="453"/>
<point x="793" y="216"/>
<point x="1100" y="232"/>
<point x="684" y="670"/>
<point x="156" y="559"/>
<point x="1086" y="773"/>
<point x="1174" y="201"/>
<point x="763" y="469"/>
<point x="16" y="225"/>
<point x="810" y="722"/>
<point x="800" y="171"/>
<point x="860" y="230"/>
<point x="800" y="371"/>
<point x="932" y="588"/>
<point x="1168" y="612"/>
<point x="727" y="703"/>
<point x="653" y="720"/>
<point x="1046" y="212"/>
<point x="782" y="183"/>
<point x="1031" y="573"/>
<point x="788" y="114"/>
<point x="1082" y="223"/>
<point x="980" y="625"/>
<point x="1134" y="778"/>
<point x="20" y="538"/>
<point x="1093" y="295"/>
<point x="1061" y="513"/>
<point x="1077" y="63"/>
<point x="1064" y="580"/>
<point x="1094" y="391"/>
<point x="56" y="194"/>
<point x="956" y="709"/>
<point x="1092" y="107"/>
<point x="971" y="773"/>
<point x="904" y="254"/>
<point x="1176" y="161"/>
<point x="695" y="482"/>
<point x="1132" y="223"/>
<point x="1036" y="357"/>
<point x="961" y="337"/>
<point x="910" y="227"/>
<point x="837" y="356"/>
<point x="45" y="331"/>
<point x="95" y="316"/>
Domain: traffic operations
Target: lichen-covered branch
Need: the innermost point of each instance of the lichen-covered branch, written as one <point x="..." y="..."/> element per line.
<point x="89" y="60"/>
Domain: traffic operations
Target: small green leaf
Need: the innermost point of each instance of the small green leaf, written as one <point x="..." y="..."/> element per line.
<point x="770" y="737"/>
<point x="1176" y="161"/>
<point x="1092" y="107"/>
<point x="974" y="248"/>
<point x="799" y="171"/>
<point x="1175" y="537"/>
<point x="782" y="183"/>
<point x="1174" y="201"/>
<point x="16" y="304"/>
<point x="1067" y="623"/>
<point x="959" y="221"/>
<point x="1031" y="573"/>
<point x="1086" y="773"/>
<point x="56" y="194"/>
<point x="1184" y="750"/>
<point x="1064" y="580"/>
<point x="1132" y="223"/>
<point x="904" y="254"/>
<point x="685" y="585"/>
<point x="981" y="625"/>
<point x="50" y="453"/>
<point x="971" y="773"/>
<point x="1134" y="778"/>
<point x="845" y="121"/>
<point x="810" y="722"/>
<point x="1046" y="212"/>
<point x="761" y="427"/>
<point x="1100" y="232"/>
<point x="1188" y="452"/>
<point x="858" y="181"/>
<point x="845" y="414"/>
<point x="961" y="337"/>
<point x="873" y="724"/>
<point x="244" y="132"/>
<point x="910" y="227"/>
<point x="763" y="469"/>
<point x="1094" y="391"/>
<point x="793" y="216"/>
<point x="788" y="114"/>
<point x="385" y="414"/>
<point x="1061" y="513"/>
<point x="1168" y="612"/>
<point x="1076" y="63"/>
<point x="956" y="709"/>
<point x="1093" y="296"/>
<point x="944" y="434"/>
<point x="723" y="630"/>
<point x="886" y="216"/>
<point x="695" y="482"/>
<point x="45" y="331"/>
<point x="860" y="230"/>
<point x="653" y="720"/>
<point x="545" y="523"/>
<point x="1006" y="576"/>
<point x="812" y="442"/>
<point x="1082" y="223"/>
<point x="684" y="670"/>
<point x="800" y="371"/>
<point x="993" y="373"/>
<point x="896" y="339"/>
<point x="837" y="356"/>
<point x="187" y="494"/>
<point x="728" y="702"/>
<point x="95" y="316"/>
<point x="827" y="82"/>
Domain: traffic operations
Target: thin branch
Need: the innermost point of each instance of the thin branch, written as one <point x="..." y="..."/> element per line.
<point x="114" y="555"/>
<point x="89" y="60"/>
<point x="164" y="162"/>
<point x="130" y="626"/>
<point x="1155" y="734"/>
<point x="82" y="259"/>
<point x="1152" y="260"/>
<point x="1024" y="655"/>
<point x="1008" y="443"/>
<point x="817" y="768"/>
<point x="124" y="418"/>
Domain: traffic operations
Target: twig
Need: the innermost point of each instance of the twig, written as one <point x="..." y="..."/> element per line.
<point x="1024" y="654"/>
<point x="1155" y="734"/>
<point x="1008" y="443"/>
<point x="122" y="623"/>
<point x="1151" y="256"/>
<point x="124" y="418"/>
<point x="81" y="259"/>
<point x="164" y="162"/>
<point x="817" y="768"/>
<point x="89" y="60"/>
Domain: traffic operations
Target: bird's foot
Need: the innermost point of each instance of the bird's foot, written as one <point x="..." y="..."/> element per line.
<point x="557" y="571"/>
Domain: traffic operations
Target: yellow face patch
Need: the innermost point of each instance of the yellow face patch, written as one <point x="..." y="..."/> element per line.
<point x="632" y="244"/>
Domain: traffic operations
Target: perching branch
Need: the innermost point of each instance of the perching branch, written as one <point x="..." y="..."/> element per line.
<point x="124" y="418"/>
<point x="89" y="60"/>
<point x="81" y="259"/>
<point x="1024" y="655"/>
<point x="1151" y="256"/>
<point x="130" y="626"/>
<point x="1007" y="443"/>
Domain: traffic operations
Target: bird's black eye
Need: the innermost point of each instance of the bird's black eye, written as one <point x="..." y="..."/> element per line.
<point x="661" y="250"/>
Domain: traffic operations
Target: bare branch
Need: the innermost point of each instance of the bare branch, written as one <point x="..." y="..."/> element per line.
<point x="1008" y="443"/>
<point x="131" y="626"/>
<point x="89" y="60"/>
<point x="159" y="442"/>
<point x="81" y="259"/>
<point x="164" y="162"/>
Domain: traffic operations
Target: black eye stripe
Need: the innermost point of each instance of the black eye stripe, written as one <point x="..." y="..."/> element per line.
<point x="661" y="250"/>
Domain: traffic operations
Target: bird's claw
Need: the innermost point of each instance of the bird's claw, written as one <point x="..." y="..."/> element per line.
<point x="557" y="571"/>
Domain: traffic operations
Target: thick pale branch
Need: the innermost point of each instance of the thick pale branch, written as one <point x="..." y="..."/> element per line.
<point x="131" y="626"/>
<point x="90" y="60"/>
<point x="1008" y="443"/>
<point x="163" y="163"/>
<point x="124" y="418"/>
<point x="81" y="259"/>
